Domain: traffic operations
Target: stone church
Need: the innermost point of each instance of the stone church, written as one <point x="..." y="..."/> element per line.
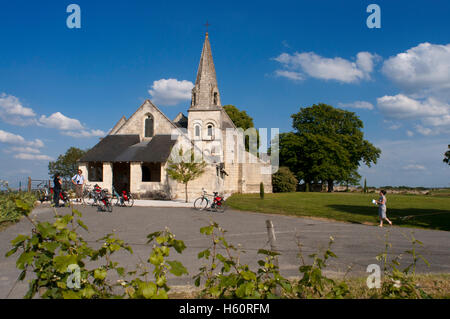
<point x="134" y="155"/>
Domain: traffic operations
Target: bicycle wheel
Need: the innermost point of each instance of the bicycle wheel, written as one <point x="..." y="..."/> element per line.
<point x="129" y="202"/>
<point x="220" y="207"/>
<point x="201" y="203"/>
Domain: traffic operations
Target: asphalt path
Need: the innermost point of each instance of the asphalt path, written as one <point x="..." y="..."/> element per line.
<point x="356" y="245"/>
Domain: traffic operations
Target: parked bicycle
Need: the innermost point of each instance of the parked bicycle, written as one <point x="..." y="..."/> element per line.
<point x="124" y="199"/>
<point x="46" y="194"/>
<point x="213" y="202"/>
<point x="104" y="201"/>
<point x="91" y="195"/>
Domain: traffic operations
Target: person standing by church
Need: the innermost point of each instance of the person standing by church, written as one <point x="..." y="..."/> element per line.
<point x="56" y="189"/>
<point x="78" y="181"/>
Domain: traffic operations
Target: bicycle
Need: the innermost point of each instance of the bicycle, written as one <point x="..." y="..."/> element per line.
<point x="125" y="199"/>
<point x="217" y="203"/>
<point x="46" y="194"/>
<point x="91" y="194"/>
<point x="104" y="201"/>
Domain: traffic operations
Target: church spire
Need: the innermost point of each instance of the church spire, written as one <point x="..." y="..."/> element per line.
<point x="205" y="94"/>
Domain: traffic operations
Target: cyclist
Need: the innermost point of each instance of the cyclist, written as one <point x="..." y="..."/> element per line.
<point x="56" y="189"/>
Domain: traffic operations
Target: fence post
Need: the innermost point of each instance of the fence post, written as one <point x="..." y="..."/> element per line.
<point x="273" y="247"/>
<point x="29" y="184"/>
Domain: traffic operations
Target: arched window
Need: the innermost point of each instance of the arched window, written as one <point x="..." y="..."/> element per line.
<point x="193" y="99"/>
<point x="197" y="131"/>
<point x="149" y="126"/>
<point x="215" y="98"/>
<point x="210" y="130"/>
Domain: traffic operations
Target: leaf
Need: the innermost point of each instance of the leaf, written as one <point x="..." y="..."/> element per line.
<point x="88" y="292"/>
<point x="24" y="259"/>
<point x="177" y="268"/>
<point x="62" y="262"/>
<point x="24" y="207"/>
<point x="18" y="240"/>
<point x="82" y="225"/>
<point x="148" y="289"/>
<point x="207" y="230"/>
<point x="100" y="274"/>
<point x="179" y="246"/>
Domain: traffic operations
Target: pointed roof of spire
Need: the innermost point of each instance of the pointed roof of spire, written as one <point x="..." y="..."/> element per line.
<point x="206" y="73"/>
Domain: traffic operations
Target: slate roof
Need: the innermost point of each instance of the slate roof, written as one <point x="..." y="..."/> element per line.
<point x="156" y="150"/>
<point x="128" y="148"/>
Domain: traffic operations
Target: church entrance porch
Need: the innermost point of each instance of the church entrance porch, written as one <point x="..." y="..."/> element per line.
<point x="121" y="176"/>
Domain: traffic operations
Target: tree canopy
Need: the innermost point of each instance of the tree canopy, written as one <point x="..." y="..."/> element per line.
<point x="327" y="145"/>
<point x="240" y="118"/>
<point x="447" y="156"/>
<point x="66" y="164"/>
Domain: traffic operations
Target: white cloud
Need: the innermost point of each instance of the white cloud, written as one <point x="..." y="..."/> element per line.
<point x="85" y="133"/>
<point x="414" y="167"/>
<point x="337" y="68"/>
<point x="26" y="156"/>
<point x="296" y="76"/>
<point x="401" y="106"/>
<point x="24" y="149"/>
<point x="409" y="133"/>
<point x="432" y="116"/>
<point x="424" y="67"/>
<point x="10" y="138"/>
<point x="13" y="112"/>
<point x="357" y="105"/>
<point x="170" y="91"/>
<point x="60" y="121"/>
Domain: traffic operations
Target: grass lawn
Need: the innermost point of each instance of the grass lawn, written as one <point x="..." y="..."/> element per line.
<point x="422" y="211"/>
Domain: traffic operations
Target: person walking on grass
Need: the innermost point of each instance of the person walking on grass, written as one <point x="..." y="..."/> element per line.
<point x="56" y="189"/>
<point x="382" y="208"/>
<point x="78" y="181"/>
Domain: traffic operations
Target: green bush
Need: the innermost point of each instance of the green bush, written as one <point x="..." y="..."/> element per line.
<point x="9" y="212"/>
<point x="261" y="190"/>
<point x="284" y="181"/>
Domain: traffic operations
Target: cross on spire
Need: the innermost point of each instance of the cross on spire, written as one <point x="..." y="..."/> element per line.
<point x="206" y="25"/>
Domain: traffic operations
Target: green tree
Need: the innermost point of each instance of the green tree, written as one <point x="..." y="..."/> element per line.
<point x="184" y="168"/>
<point x="327" y="145"/>
<point x="284" y="181"/>
<point x="447" y="156"/>
<point x="241" y="120"/>
<point x="66" y="164"/>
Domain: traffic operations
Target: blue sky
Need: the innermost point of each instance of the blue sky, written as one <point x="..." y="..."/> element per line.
<point x="62" y="87"/>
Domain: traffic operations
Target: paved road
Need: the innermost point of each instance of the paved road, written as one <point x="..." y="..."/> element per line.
<point x="356" y="245"/>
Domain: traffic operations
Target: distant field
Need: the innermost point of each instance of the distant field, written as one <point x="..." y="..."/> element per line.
<point x="422" y="211"/>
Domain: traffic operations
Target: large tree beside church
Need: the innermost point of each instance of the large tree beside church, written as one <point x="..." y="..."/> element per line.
<point x="66" y="164"/>
<point x="327" y="145"/>
<point x="241" y="120"/>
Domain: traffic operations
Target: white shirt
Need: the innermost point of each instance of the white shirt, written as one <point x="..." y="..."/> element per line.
<point x="78" y="179"/>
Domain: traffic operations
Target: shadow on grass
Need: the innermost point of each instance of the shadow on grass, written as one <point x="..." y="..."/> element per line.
<point x="411" y="217"/>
